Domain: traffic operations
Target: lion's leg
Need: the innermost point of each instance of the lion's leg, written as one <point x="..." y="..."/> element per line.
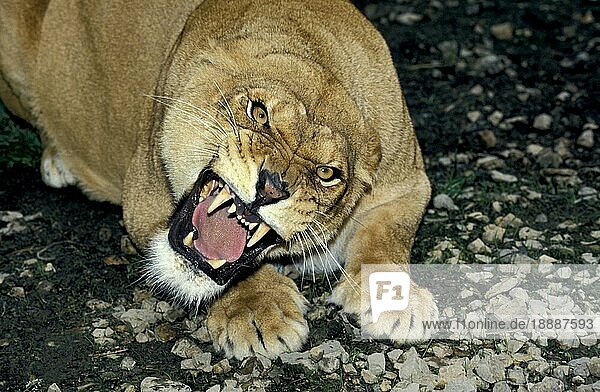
<point x="263" y="314"/>
<point x="55" y="172"/>
<point x="385" y="236"/>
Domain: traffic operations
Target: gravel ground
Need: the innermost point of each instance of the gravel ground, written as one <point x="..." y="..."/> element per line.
<point x="505" y="101"/>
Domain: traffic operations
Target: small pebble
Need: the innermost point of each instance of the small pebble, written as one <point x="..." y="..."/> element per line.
<point x="543" y="122"/>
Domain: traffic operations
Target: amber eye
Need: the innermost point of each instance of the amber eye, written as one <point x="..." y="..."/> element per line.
<point x="329" y="175"/>
<point x="257" y="112"/>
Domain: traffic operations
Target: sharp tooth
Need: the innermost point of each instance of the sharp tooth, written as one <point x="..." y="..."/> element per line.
<point x="262" y="230"/>
<point x="216" y="263"/>
<point x="189" y="240"/>
<point x="205" y="190"/>
<point x="232" y="209"/>
<point x="243" y="221"/>
<point x="251" y="226"/>
<point x="221" y="198"/>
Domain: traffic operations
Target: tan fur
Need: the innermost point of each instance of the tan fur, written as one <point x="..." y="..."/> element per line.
<point x="84" y="73"/>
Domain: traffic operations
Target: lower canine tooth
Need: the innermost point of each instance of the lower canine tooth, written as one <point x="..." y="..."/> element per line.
<point x="232" y="209"/>
<point x="216" y="263"/>
<point x="189" y="240"/>
<point x="251" y="226"/>
<point x="262" y="230"/>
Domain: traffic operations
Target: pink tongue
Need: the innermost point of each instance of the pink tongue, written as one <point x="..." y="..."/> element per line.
<point x="219" y="237"/>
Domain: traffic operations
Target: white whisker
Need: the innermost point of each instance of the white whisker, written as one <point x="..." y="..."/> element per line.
<point x="355" y="286"/>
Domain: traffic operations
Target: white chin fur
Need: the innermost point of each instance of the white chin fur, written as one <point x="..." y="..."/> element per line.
<point x="166" y="270"/>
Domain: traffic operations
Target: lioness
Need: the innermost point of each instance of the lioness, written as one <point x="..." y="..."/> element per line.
<point x="233" y="133"/>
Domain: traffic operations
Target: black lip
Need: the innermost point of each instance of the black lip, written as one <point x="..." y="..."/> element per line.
<point x="181" y="225"/>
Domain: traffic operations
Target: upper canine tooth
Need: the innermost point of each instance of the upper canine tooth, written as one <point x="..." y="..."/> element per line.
<point x="221" y="198"/>
<point x="262" y="230"/>
<point x="189" y="240"/>
<point x="216" y="263"/>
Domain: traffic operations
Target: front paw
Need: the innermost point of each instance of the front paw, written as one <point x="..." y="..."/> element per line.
<point x="263" y="314"/>
<point x="405" y="325"/>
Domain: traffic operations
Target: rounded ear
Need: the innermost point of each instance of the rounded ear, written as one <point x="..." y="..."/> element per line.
<point x="147" y="200"/>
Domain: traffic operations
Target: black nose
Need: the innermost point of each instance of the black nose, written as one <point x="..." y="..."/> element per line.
<point x="269" y="189"/>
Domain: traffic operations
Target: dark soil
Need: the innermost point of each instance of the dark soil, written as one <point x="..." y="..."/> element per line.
<point x="46" y="335"/>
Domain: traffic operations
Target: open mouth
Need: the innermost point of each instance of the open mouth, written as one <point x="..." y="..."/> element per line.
<point x="217" y="232"/>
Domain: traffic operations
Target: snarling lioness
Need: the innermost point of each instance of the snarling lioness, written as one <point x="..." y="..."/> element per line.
<point x="234" y="134"/>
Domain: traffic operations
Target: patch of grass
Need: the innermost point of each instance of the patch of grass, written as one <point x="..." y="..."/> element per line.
<point x="19" y="146"/>
<point x="453" y="185"/>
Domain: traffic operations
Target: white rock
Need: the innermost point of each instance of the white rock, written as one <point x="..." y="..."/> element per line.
<point x="587" y="191"/>
<point x="349" y="368"/>
<point x="489" y="370"/>
<point x="477" y="277"/>
<point x="409" y="18"/>
<point x="474" y="115"/>
<point x="142" y="338"/>
<point x="414" y="368"/>
<point x="501" y="177"/>
<point x="586" y="139"/>
<point x="533" y="244"/>
<point x="495" y="117"/>
<point x="514" y="345"/>
<point x="493" y="234"/>
<point x="564" y="272"/>
<point x="501" y="386"/>
<point x="185" y="348"/>
<point x="139" y="319"/>
<point x="404" y="386"/>
<point x="443" y="201"/>
<point x="589" y="258"/>
<point x="579" y="367"/>
<point x="154" y="384"/>
<point x="368" y="377"/>
<point x="594" y="366"/>
<point x="53" y="388"/>
<point x="199" y="361"/>
<point x="460" y="386"/>
<point x="516" y="376"/>
<point x="127" y="363"/>
<point x="545" y="259"/>
<point x="479" y="247"/>
<point x="527" y="233"/>
<point x="548" y="384"/>
<point x="490" y="162"/>
<point x="333" y="348"/>
<point x="502" y="287"/>
<point x="376" y="363"/>
<point x="455" y="371"/>
<point x="534" y="149"/>
<point x="296" y="358"/>
<point x="502" y="31"/>
<point x="561" y="371"/>
<point x="543" y="122"/>
<point x="329" y="364"/>
<point x="394" y="354"/>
